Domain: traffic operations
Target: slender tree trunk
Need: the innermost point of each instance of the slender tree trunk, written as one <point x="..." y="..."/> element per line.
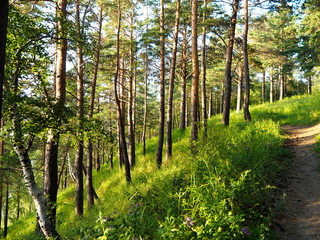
<point x="183" y="99"/>
<point x="51" y="154"/>
<point x="162" y="88"/>
<point x="228" y="77"/>
<point x="195" y="73"/>
<point x="131" y="141"/>
<point x="121" y="123"/>
<point x="239" y="90"/>
<point x="281" y="83"/>
<point x="309" y="84"/>
<point x="204" y="71"/>
<point x="246" y="112"/>
<point x="271" y="86"/>
<point x="145" y="107"/>
<point x="171" y="83"/>
<point x="263" y="86"/>
<point x="80" y="114"/>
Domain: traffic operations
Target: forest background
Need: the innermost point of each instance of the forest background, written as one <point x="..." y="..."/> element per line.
<point x="84" y="84"/>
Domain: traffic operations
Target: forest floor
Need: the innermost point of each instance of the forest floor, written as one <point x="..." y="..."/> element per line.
<point x="300" y="186"/>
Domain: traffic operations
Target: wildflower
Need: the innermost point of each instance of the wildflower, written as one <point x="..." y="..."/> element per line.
<point x="246" y="231"/>
<point x="189" y="222"/>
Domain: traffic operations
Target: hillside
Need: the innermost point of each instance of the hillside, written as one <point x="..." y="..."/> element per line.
<point x="224" y="191"/>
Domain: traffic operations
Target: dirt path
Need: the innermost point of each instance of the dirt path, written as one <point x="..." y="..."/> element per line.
<point x="301" y="217"/>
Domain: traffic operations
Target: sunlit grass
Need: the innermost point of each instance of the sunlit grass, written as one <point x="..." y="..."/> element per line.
<point x="232" y="151"/>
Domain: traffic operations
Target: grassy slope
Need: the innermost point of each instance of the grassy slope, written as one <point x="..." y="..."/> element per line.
<point x="221" y="148"/>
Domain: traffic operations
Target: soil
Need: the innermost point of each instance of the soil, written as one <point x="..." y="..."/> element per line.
<point x="300" y="186"/>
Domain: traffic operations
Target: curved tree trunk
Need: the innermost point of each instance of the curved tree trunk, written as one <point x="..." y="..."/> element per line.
<point x="228" y="77"/>
<point x="46" y="225"/>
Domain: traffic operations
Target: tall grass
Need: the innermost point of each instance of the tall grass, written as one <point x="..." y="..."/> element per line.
<point x="222" y="192"/>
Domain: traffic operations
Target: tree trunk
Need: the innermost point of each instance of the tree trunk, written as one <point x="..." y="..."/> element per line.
<point x="183" y="99"/>
<point x="246" y="112"/>
<point x="195" y="74"/>
<point x="203" y="71"/>
<point x="263" y="86"/>
<point x="239" y="90"/>
<point x="46" y="225"/>
<point x="271" y="86"/>
<point x="281" y="83"/>
<point x="309" y="84"/>
<point x="171" y="83"/>
<point x="162" y="88"/>
<point x="80" y="114"/>
<point x="50" y="184"/>
<point x="145" y="107"/>
<point x="121" y="123"/>
<point x="228" y="77"/>
<point x="3" y="41"/>
<point x="131" y="138"/>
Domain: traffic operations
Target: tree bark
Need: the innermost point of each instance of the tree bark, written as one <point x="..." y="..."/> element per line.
<point x="228" y="77"/>
<point x="171" y="82"/>
<point x="80" y="113"/>
<point x="51" y="154"/>
<point x="195" y="74"/>
<point x="162" y="88"/>
<point x="204" y="71"/>
<point x="121" y="123"/>
<point x="246" y="111"/>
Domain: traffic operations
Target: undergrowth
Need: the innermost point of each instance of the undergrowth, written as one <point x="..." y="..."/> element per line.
<point x="221" y="192"/>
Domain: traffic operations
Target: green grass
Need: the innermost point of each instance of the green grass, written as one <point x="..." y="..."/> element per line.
<point x="225" y="188"/>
